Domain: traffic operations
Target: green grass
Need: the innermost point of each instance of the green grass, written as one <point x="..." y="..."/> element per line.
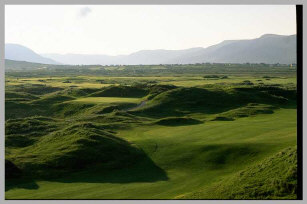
<point x="121" y="91"/>
<point x="107" y="100"/>
<point x="184" y="153"/>
<point x="272" y="178"/>
<point x="75" y="147"/>
<point x="214" y="100"/>
<point x="169" y="133"/>
<point x="184" y="81"/>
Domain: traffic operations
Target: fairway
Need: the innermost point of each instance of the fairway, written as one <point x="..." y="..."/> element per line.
<point x="106" y="100"/>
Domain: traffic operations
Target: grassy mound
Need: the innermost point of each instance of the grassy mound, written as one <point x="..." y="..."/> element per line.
<point x="80" y="92"/>
<point x="51" y="105"/>
<point x="75" y="147"/>
<point x="109" y="109"/>
<point x="37" y="89"/>
<point x="176" y="121"/>
<point x="159" y="88"/>
<point x="69" y="109"/>
<point x="19" y="96"/>
<point x="273" y="178"/>
<point x="274" y="91"/>
<point x="249" y="110"/>
<point x="114" y="120"/>
<point x="185" y="99"/>
<point x="121" y="91"/>
<point x="212" y="100"/>
<point x="52" y="99"/>
<point x="24" y="132"/>
<point x="16" y="109"/>
<point x="45" y="106"/>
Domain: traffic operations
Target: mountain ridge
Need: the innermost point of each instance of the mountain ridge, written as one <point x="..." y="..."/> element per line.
<point x="21" y="53"/>
<point x="268" y="48"/>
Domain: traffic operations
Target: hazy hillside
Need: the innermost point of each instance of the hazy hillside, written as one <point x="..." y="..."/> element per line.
<point x="268" y="48"/>
<point x="21" y="53"/>
<point x="141" y="57"/>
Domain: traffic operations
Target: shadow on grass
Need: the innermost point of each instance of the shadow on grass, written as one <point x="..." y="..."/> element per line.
<point x="143" y="171"/>
<point x="178" y="121"/>
<point x="25" y="183"/>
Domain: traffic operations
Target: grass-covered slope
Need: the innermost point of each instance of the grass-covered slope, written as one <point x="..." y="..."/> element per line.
<point x="181" y="101"/>
<point x="19" y="96"/>
<point x="273" y="178"/>
<point x="74" y="147"/>
<point x="245" y="111"/>
<point x="25" y="131"/>
<point x="37" y="89"/>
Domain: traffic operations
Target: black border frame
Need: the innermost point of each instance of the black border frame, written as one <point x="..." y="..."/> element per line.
<point x="299" y="78"/>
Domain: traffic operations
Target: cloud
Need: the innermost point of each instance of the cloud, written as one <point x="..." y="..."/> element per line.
<point x="85" y="11"/>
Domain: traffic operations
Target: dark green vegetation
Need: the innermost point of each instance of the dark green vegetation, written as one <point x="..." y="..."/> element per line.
<point x="28" y="69"/>
<point x="121" y="91"/>
<point x="219" y="135"/>
<point x="173" y="121"/>
<point x="77" y="146"/>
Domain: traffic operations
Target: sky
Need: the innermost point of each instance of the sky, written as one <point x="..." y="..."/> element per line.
<point x="124" y="29"/>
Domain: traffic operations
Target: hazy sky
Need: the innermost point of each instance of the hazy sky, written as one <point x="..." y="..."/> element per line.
<point x="113" y="29"/>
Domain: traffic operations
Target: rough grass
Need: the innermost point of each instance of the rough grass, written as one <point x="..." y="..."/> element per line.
<point x="52" y="99"/>
<point x="74" y="147"/>
<point x="19" y="96"/>
<point x="63" y="110"/>
<point x="214" y="100"/>
<point x="109" y="109"/>
<point x="24" y="132"/>
<point x="37" y="89"/>
<point x="80" y="92"/>
<point x="273" y="178"/>
<point x="245" y="111"/>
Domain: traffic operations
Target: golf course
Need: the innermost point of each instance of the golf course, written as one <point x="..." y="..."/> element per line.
<point x="195" y="131"/>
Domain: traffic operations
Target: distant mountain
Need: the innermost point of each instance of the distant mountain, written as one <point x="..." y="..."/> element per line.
<point x="22" y="53"/>
<point x="140" y="57"/>
<point x="268" y="48"/>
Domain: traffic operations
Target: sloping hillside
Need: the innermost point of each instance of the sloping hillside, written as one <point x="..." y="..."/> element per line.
<point x="268" y="48"/>
<point x="22" y="53"/>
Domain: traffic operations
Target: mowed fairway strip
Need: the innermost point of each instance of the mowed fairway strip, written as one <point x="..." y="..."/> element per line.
<point x="192" y="158"/>
<point x="106" y="100"/>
